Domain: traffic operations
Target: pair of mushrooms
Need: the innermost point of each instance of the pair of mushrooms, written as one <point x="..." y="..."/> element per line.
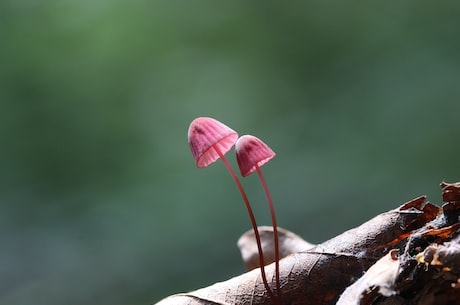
<point x="209" y="141"/>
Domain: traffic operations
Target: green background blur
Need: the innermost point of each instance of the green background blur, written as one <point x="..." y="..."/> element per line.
<point x="100" y="200"/>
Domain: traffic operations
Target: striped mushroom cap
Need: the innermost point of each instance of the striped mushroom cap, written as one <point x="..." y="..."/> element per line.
<point x="204" y="134"/>
<point x="251" y="153"/>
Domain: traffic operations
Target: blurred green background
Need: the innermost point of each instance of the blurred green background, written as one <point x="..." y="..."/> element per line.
<point x="100" y="200"/>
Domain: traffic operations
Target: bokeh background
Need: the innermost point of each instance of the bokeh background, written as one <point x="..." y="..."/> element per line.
<point x="100" y="200"/>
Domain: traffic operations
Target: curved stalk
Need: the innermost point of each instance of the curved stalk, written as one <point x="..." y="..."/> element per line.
<point x="253" y="221"/>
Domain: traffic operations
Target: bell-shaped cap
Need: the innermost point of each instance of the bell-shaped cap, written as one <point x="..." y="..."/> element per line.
<point x="251" y="153"/>
<point x="203" y="134"/>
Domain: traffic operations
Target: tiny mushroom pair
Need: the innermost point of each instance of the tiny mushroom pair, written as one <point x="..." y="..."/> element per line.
<point x="209" y="141"/>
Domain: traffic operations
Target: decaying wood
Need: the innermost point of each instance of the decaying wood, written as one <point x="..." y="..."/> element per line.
<point x="379" y="278"/>
<point x="427" y="271"/>
<point x="319" y="275"/>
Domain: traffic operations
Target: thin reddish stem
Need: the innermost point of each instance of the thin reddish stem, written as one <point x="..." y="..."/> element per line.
<point x="253" y="221"/>
<point x="275" y="234"/>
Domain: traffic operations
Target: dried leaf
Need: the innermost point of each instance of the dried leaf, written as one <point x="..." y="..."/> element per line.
<point x="379" y="279"/>
<point x="427" y="271"/>
<point x="319" y="275"/>
<point x="450" y="191"/>
<point x="289" y="243"/>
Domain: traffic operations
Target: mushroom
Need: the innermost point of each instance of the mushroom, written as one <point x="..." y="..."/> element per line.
<point x="210" y="140"/>
<point x="251" y="154"/>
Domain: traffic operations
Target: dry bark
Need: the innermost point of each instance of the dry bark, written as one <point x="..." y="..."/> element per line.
<point x="424" y="262"/>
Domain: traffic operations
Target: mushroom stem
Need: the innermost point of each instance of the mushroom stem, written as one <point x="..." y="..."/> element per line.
<point x="275" y="233"/>
<point x="253" y="221"/>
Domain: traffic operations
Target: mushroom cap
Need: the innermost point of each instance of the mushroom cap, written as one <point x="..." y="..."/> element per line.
<point x="251" y="153"/>
<point x="203" y="134"/>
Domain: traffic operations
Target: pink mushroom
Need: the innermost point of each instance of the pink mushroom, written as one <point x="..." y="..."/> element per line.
<point x="210" y="140"/>
<point x="251" y="154"/>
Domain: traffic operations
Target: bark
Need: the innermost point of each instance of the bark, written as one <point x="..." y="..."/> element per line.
<point x="413" y="251"/>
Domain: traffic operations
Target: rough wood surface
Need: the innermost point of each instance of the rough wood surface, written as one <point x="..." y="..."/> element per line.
<point x="423" y="265"/>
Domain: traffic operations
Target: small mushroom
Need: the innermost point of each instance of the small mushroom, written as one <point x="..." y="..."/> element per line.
<point x="251" y="154"/>
<point x="210" y="140"/>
